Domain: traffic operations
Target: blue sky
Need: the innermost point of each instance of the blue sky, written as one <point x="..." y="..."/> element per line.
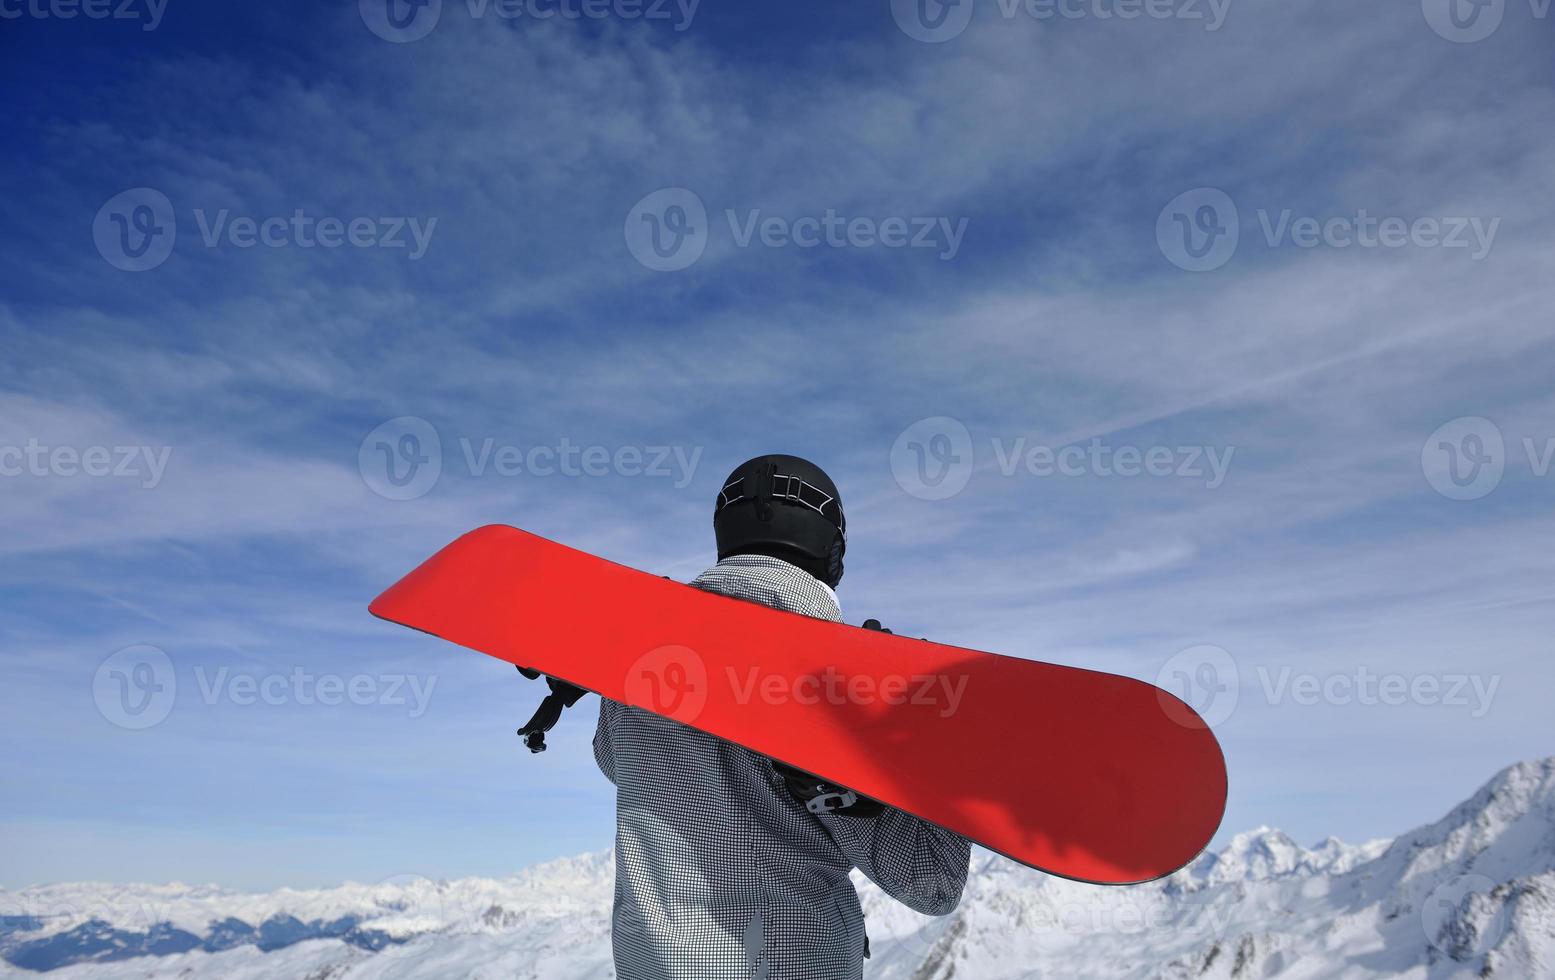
<point x="1060" y="313"/>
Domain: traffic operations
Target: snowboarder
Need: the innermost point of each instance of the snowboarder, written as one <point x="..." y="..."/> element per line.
<point x="1122" y="804"/>
<point x="728" y="864"/>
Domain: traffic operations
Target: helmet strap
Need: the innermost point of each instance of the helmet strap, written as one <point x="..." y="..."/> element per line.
<point x="761" y="491"/>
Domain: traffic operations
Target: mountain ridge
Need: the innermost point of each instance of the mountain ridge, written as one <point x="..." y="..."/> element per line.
<point x="1469" y="895"/>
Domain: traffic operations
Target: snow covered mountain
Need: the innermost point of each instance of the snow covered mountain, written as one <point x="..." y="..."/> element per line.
<point x="1472" y="895"/>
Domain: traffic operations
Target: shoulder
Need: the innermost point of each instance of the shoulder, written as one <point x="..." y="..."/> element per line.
<point x="771" y="582"/>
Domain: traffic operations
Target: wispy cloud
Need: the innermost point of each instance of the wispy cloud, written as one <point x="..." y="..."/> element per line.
<point x="1317" y="373"/>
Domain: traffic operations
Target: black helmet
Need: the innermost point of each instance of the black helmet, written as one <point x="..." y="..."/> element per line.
<point x="785" y="507"/>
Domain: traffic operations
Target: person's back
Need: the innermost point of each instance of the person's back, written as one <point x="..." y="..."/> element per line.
<point x="728" y="865"/>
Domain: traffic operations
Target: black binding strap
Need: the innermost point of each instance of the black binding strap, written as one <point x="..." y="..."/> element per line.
<point x="563" y="695"/>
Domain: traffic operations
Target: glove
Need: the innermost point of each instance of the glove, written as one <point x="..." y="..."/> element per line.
<point x="563" y="695"/>
<point x="819" y="796"/>
<point x="568" y="693"/>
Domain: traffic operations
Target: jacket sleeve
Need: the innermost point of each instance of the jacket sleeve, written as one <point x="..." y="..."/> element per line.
<point x="917" y="863"/>
<point x="604" y="738"/>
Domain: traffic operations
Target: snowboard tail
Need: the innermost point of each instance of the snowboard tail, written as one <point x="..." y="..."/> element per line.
<point x="1087" y="775"/>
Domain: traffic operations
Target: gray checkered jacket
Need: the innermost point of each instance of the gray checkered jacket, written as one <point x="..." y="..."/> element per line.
<point x="720" y="873"/>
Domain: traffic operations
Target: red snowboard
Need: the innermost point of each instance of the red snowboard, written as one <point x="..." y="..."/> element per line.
<point x="1082" y="774"/>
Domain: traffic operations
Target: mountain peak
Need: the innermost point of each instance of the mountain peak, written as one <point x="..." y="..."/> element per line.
<point x="1464" y="896"/>
<point x="1265" y="853"/>
<point x="1507" y="827"/>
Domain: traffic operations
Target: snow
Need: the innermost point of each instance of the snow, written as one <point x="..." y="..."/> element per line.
<point x="1471" y="895"/>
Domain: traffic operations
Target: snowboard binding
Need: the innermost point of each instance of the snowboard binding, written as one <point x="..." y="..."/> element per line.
<point x="820" y="797"/>
<point x="563" y="695"/>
